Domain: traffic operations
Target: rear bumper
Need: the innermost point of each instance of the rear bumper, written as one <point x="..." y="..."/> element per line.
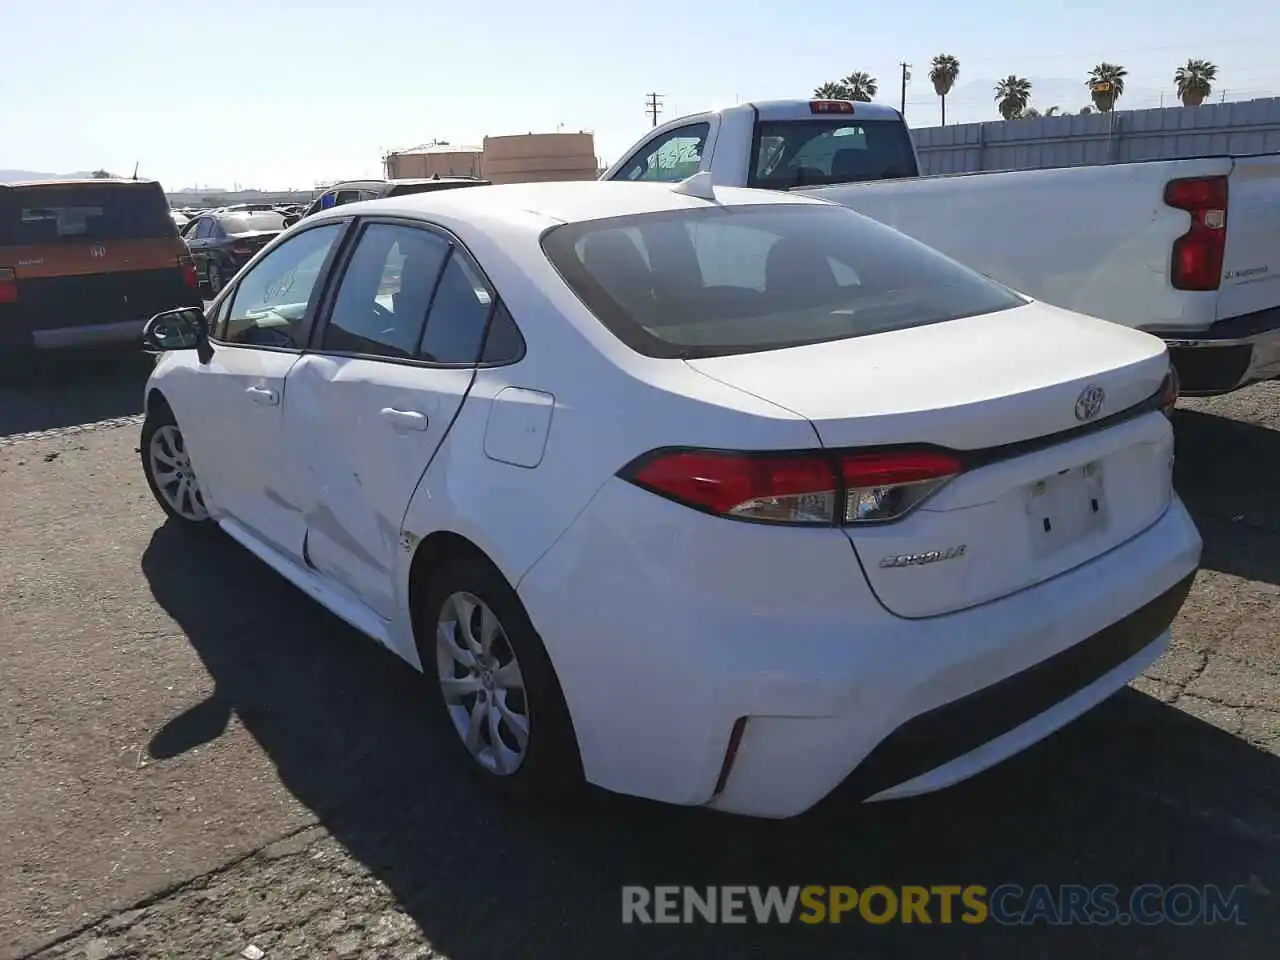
<point x="694" y="624"/>
<point x="1228" y="355"/>
<point x="25" y="329"/>
<point x="964" y="728"/>
<point x="89" y="335"/>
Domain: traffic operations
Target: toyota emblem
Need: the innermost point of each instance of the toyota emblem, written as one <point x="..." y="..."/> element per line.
<point x="1089" y="403"/>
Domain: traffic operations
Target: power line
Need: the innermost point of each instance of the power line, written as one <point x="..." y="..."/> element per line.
<point x="653" y="106"/>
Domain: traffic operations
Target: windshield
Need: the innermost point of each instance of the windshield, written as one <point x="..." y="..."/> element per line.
<point x="799" y="153"/>
<point x="84" y="212"/>
<point x="718" y="281"/>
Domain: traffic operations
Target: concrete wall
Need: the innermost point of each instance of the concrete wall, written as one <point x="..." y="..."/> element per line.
<point x="1251" y="126"/>
<point x="218" y="198"/>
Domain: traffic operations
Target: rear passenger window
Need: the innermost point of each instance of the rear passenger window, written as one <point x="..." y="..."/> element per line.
<point x="459" y="311"/>
<point x="504" y="344"/>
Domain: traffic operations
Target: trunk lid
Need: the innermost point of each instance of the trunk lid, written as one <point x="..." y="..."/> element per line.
<point x="993" y="387"/>
<point x="253" y="240"/>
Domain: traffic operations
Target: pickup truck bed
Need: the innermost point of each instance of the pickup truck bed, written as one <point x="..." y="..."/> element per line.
<point x="1100" y="240"/>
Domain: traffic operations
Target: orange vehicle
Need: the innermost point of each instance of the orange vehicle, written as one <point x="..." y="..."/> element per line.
<point x="86" y="262"/>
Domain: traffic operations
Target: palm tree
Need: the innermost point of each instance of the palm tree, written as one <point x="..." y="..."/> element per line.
<point x="1047" y="112"/>
<point x="943" y="73"/>
<point x="1106" y="85"/>
<point x="1195" y="81"/>
<point x="1012" y="94"/>
<point x="833" y="91"/>
<point x="101" y="175"/>
<point x="862" y="86"/>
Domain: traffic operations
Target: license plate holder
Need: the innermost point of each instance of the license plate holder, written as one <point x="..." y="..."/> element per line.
<point x="1066" y="507"/>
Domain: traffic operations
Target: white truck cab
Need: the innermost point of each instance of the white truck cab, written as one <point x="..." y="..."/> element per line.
<point x="777" y="144"/>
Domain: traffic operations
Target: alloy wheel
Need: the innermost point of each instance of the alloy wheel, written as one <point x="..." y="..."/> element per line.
<point x="482" y="684"/>
<point x="173" y="475"/>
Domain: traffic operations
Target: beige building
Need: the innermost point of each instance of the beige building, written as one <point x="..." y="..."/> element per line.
<point x="521" y="158"/>
<point x="434" y="159"/>
<point x="529" y="157"/>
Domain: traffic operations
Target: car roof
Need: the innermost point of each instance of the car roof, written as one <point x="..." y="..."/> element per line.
<point x="114" y="182"/>
<point x="397" y="182"/>
<point x="537" y="206"/>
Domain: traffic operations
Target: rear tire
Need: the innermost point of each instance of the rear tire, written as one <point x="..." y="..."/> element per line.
<point x="493" y="686"/>
<point x="168" y="470"/>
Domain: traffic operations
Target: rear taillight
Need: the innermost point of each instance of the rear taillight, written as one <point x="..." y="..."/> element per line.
<point x="189" y="275"/>
<point x="1196" y="263"/>
<point x="820" y="488"/>
<point x="8" y="285"/>
<point x="1169" y="388"/>
<point x="886" y="486"/>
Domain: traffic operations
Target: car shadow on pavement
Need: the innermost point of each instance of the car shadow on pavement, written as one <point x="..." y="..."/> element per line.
<point x="1135" y="792"/>
<point x="1228" y="473"/>
<point x="45" y="391"/>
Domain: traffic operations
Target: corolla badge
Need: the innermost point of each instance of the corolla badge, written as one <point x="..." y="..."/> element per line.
<point x="920" y="559"/>
<point x="1089" y="403"/>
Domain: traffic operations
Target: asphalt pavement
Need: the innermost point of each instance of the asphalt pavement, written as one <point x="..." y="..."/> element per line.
<point x="197" y="761"/>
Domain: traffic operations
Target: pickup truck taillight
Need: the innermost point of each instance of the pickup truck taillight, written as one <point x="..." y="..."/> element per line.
<point x="8" y="285"/>
<point x="1197" y="254"/>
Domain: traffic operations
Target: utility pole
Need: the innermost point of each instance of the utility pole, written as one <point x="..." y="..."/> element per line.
<point x="653" y="106"/>
<point x="906" y="76"/>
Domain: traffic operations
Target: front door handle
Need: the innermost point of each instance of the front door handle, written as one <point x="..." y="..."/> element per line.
<point x="405" y="419"/>
<point x="263" y="395"/>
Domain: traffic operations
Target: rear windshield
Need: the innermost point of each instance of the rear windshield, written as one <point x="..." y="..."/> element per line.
<point x="718" y="281"/>
<point x="250" y="222"/>
<point x="799" y="153"/>
<point x="83" y="212"/>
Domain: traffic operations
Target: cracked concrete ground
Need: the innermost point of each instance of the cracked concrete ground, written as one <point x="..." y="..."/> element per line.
<point x="196" y="761"/>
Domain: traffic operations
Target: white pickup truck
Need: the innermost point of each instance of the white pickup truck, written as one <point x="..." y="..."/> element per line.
<point x="1188" y="250"/>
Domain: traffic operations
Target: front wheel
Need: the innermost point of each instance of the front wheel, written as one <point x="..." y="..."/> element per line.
<point x="494" y="685"/>
<point x="168" y="470"/>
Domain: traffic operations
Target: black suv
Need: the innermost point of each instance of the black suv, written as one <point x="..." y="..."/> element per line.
<point x="351" y="191"/>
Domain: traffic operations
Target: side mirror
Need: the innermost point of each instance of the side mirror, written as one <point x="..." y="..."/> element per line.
<point x="182" y="329"/>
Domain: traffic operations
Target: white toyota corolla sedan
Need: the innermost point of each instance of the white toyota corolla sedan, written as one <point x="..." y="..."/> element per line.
<point x="718" y="497"/>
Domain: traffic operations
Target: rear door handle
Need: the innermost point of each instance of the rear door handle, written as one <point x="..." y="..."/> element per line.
<point x="263" y="395"/>
<point x="405" y="419"/>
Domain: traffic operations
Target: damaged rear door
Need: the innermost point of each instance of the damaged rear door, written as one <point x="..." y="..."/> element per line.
<point x="370" y="405"/>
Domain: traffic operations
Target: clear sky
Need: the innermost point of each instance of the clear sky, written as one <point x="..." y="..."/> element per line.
<point x="282" y="93"/>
